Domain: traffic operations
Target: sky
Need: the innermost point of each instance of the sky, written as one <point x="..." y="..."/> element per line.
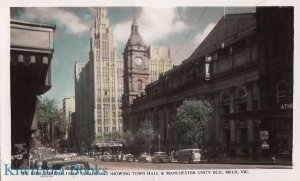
<point x="180" y="28"/>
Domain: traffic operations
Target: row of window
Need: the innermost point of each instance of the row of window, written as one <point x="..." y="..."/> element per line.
<point x="114" y="121"/>
<point x="106" y="129"/>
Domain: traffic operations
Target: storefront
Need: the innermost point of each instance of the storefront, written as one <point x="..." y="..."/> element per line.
<point x="272" y="131"/>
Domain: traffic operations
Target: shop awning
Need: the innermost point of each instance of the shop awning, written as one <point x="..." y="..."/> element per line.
<point x="259" y="114"/>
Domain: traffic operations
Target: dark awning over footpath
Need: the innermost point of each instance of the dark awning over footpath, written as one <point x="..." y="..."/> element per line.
<point x="259" y="114"/>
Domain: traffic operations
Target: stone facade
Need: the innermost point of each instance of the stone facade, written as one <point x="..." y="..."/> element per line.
<point x="224" y="71"/>
<point x="99" y="85"/>
<point x="142" y="65"/>
<point x="244" y="69"/>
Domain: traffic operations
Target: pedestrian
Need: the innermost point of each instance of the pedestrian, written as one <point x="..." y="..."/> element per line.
<point x="175" y="155"/>
<point x="172" y="155"/>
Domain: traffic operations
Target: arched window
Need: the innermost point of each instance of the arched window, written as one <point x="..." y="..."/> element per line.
<point x="140" y="85"/>
<point x="224" y="102"/>
<point x="241" y="99"/>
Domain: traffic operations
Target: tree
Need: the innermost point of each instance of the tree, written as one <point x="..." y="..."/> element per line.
<point x="127" y="139"/>
<point x="146" y="133"/>
<point x="191" y="119"/>
<point x="48" y="116"/>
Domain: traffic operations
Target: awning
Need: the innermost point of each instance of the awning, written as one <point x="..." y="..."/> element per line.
<point x="108" y="144"/>
<point x="259" y="114"/>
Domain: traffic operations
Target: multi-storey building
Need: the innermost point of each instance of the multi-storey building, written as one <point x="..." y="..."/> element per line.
<point x="142" y="65"/>
<point x="160" y="61"/>
<point x="244" y="69"/>
<point x="99" y="85"/>
<point x="31" y="51"/>
<point x="222" y="70"/>
<point x="68" y="109"/>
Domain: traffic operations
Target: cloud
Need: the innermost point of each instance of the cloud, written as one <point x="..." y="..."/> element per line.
<point x="122" y="31"/>
<point x="155" y="24"/>
<point x="198" y="38"/>
<point x="71" y="22"/>
<point x="181" y="52"/>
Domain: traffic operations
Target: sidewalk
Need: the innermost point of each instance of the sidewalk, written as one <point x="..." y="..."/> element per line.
<point x="259" y="161"/>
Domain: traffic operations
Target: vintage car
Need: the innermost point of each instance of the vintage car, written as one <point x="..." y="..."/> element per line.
<point x="161" y="157"/>
<point x="144" y="157"/>
<point x="128" y="158"/>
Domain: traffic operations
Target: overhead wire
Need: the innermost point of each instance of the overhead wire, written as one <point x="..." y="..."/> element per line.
<point x="190" y="32"/>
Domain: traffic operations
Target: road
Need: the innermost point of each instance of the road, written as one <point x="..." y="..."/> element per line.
<point x="177" y="166"/>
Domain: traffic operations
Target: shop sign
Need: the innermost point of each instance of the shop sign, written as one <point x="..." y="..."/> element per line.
<point x="286" y="106"/>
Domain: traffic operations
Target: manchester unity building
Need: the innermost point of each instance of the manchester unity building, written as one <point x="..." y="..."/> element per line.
<point x="244" y="68"/>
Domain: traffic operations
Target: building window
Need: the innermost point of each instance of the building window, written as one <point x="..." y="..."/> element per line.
<point x="140" y="84"/>
<point x="225" y="105"/>
<point x="255" y="104"/>
<point x="99" y="129"/>
<point x="106" y="129"/>
<point x="281" y="90"/>
<point x="242" y="107"/>
<point x="243" y="136"/>
<point x="241" y="104"/>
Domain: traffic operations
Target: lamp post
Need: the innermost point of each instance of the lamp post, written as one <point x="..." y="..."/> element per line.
<point x="158" y="142"/>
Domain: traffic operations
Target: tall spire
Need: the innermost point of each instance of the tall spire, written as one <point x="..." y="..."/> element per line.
<point x="99" y="12"/>
<point x="134" y="14"/>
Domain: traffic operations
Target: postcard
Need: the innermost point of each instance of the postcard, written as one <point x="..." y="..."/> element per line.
<point x="149" y="91"/>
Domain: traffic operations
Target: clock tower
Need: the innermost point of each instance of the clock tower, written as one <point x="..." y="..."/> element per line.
<point x="136" y="72"/>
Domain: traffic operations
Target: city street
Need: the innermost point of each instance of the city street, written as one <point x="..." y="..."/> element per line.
<point x="179" y="166"/>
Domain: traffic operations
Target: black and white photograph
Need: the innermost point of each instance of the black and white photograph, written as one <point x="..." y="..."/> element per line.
<point x="149" y="92"/>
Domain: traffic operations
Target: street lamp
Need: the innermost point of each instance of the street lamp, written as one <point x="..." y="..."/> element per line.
<point x="158" y="142"/>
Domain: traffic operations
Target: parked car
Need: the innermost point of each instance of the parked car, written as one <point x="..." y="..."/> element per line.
<point x="107" y="157"/>
<point x="160" y="157"/>
<point x="67" y="165"/>
<point x="190" y="155"/>
<point x="144" y="157"/>
<point x="114" y="158"/>
<point x="128" y="158"/>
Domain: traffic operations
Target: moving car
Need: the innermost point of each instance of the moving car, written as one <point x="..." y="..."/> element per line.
<point x="161" y="157"/>
<point x="189" y="155"/>
<point x="144" y="157"/>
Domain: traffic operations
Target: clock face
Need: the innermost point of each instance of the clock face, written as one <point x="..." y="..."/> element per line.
<point x="138" y="61"/>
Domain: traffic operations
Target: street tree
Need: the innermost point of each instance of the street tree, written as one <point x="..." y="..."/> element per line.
<point x="146" y="133"/>
<point x="127" y="139"/>
<point x="191" y="119"/>
<point x="49" y="116"/>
